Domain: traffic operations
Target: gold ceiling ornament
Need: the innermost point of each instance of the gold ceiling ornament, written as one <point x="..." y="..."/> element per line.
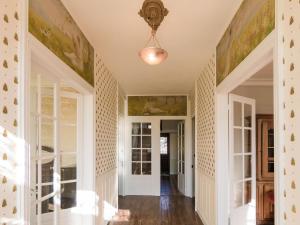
<point x="153" y="12"/>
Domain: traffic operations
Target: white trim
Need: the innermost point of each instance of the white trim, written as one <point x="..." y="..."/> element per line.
<point x="188" y="150"/>
<point x="23" y="198"/>
<point x="257" y="59"/>
<point x="38" y="53"/>
<point x="258" y="82"/>
<point x="278" y="117"/>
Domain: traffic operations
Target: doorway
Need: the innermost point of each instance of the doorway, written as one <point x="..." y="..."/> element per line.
<point x="259" y="88"/>
<point x="61" y="114"/>
<point x="172" y="156"/>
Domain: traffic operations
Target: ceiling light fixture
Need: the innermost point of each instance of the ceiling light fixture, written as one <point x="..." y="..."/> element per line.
<point x="153" y="12"/>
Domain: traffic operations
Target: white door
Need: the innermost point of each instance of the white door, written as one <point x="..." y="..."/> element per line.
<point x="181" y="157"/>
<point x="242" y="154"/>
<point x="143" y="157"/>
<point x="54" y="142"/>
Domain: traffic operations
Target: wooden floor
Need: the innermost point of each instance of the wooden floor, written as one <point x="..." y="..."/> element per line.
<point x="171" y="208"/>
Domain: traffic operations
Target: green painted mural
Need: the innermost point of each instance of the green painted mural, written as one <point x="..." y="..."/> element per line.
<point x="157" y="105"/>
<point x="253" y="22"/>
<point x="52" y="24"/>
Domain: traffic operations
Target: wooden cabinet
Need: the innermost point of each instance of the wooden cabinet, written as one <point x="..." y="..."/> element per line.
<point x="265" y="169"/>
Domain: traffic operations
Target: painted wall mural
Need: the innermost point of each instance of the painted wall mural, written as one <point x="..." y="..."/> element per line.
<point x="252" y="23"/>
<point x="52" y="24"/>
<point x="157" y="105"/>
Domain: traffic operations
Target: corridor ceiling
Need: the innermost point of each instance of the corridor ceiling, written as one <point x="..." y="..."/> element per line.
<point x="189" y="33"/>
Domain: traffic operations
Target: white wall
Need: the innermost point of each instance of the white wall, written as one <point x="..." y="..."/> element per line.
<point x="262" y="94"/>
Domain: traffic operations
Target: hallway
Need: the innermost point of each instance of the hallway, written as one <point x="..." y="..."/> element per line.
<point x="170" y="208"/>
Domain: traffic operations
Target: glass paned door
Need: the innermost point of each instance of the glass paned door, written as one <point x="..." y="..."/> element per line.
<point x="54" y="139"/>
<point x="44" y="150"/>
<point x="242" y="160"/>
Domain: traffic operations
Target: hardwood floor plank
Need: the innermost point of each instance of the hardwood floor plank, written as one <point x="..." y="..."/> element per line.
<point x="171" y="208"/>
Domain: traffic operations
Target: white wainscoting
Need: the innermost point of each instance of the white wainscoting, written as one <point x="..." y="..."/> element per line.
<point x="107" y="192"/>
<point x="206" y="198"/>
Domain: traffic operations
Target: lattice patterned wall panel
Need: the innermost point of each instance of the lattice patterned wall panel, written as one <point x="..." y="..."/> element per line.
<point x="205" y="119"/>
<point x="289" y="30"/>
<point x="10" y="27"/>
<point x="192" y="100"/>
<point x="106" y="118"/>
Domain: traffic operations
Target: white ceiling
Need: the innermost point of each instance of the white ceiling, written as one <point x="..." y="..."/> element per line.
<point x="189" y="33"/>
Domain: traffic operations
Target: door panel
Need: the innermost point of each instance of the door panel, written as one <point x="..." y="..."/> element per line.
<point x="143" y="157"/>
<point x="181" y="157"/>
<point x="242" y="160"/>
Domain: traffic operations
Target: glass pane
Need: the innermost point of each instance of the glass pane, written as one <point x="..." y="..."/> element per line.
<point x="147" y="168"/>
<point x="247" y="115"/>
<point x="247" y="147"/>
<point x="136" y="155"/>
<point x="238" y="168"/>
<point x="47" y="97"/>
<point x="68" y="167"/>
<point x="34" y="94"/>
<point x="47" y="207"/>
<point x="146" y="128"/>
<point x="68" y="110"/>
<point x="136" y="168"/>
<point x="248" y="166"/>
<point x="238" y="195"/>
<point x="34" y="136"/>
<point x="68" y="195"/>
<point x="237" y="140"/>
<point x="248" y="192"/>
<point x="147" y="155"/>
<point x="237" y="113"/>
<point x="182" y="127"/>
<point x="47" y="170"/>
<point x="68" y="135"/>
<point x="136" y="141"/>
<point x="163" y="145"/>
<point x="46" y="190"/>
<point x="136" y="128"/>
<point x="271" y="152"/>
<point x="183" y="168"/>
<point x="47" y="137"/>
<point x="271" y="167"/>
<point x="146" y="142"/>
<point x="271" y="137"/>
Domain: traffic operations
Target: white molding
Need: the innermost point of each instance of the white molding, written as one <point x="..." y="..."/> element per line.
<point x="257" y="59"/>
<point x="44" y="58"/>
<point x="23" y="202"/>
<point x="258" y="82"/>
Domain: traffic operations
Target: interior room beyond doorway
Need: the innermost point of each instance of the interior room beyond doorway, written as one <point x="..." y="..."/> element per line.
<point x="170" y="156"/>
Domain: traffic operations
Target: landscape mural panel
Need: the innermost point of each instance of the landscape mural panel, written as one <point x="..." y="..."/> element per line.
<point x="252" y="23"/>
<point x="157" y="105"/>
<point x="52" y="24"/>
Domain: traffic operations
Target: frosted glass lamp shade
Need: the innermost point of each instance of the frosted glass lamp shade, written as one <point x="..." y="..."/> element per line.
<point x="153" y="55"/>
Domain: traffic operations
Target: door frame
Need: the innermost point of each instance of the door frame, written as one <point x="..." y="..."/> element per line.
<point x="187" y="122"/>
<point x="35" y="50"/>
<point x="258" y="58"/>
